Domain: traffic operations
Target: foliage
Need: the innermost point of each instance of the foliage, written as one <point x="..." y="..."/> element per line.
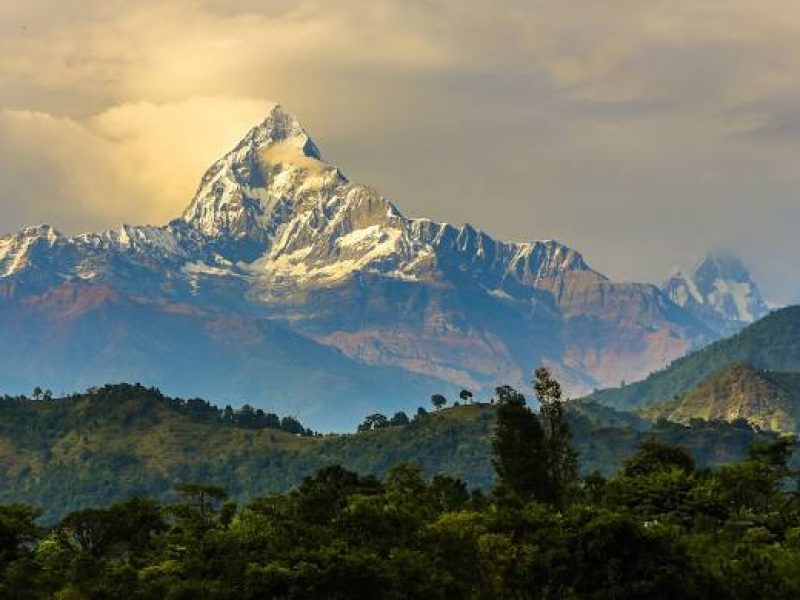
<point x="561" y="460"/>
<point x="772" y="343"/>
<point x="438" y="401"/>
<point x="766" y="399"/>
<point x="518" y="446"/>
<point x="658" y="529"/>
<point x="117" y="442"/>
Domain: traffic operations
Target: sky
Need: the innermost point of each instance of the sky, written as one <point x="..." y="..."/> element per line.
<point x="644" y="134"/>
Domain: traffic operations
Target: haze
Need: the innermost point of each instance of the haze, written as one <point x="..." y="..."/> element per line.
<point x="642" y="134"/>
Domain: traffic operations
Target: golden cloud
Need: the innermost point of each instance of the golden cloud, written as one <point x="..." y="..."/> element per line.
<point x="133" y="162"/>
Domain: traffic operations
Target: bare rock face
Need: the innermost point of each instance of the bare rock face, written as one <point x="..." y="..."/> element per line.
<point x="277" y="234"/>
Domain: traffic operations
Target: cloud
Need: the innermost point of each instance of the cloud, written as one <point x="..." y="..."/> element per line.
<point x="131" y="163"/>
<point x="644" y="133"/>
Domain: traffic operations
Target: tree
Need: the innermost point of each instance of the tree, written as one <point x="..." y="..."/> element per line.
<point x="466" y="396"/>
<point x="379" y="421"/>
<point x="654" y="455"/>
<point x="533" y="455"/>
<point x="449" y="493"/>
<point x="438" y="401"/>
<point x="246" y="416"/>
<point x="505" y="394"/>
<point x="518" y="447"/>
<point x="400" y="419"/>
<point x="94" y="530"/>
<point x="319" y="498"/>
<point x="203" y="495"/>
<point x="292" y="425"/>
<point x="374" y="421"/>
<point x="18" y="531"/>
<point x="561" y="459"/>
<point x="272" y="421"/>
<point x="37" y="393"/>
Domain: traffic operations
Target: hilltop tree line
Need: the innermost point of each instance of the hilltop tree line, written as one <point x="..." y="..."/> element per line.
<point x="659" y="528"/>
<point x="245" y="416"/>
<point x="401" y="419"/>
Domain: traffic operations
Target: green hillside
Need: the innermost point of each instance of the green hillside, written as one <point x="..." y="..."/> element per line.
<point x="766" y="399"/>
<point x="773" y="343"/>
<point x="121" y="441"/>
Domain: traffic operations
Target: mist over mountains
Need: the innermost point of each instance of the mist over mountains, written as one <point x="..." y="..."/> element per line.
<point x="288" y="286"/>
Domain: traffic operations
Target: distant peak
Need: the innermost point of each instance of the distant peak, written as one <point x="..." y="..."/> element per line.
<point x="722" y="286"/>
<point x="723" y="264"/>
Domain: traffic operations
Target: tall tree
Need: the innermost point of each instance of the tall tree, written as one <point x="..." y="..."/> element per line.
<point x="438" y="401"/>
<point x="399" y="419"/>
<point x="518" y="447"/>
<point x="561" y="459"/>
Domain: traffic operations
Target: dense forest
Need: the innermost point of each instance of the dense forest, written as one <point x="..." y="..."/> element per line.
<point x="660" y="527"/>
<point x="120" y="441"/>
<point x="767" y="399"/>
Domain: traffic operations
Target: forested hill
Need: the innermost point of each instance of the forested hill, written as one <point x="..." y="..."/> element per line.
<point x="120" y="441"/>
<point x="773" y="343"/>
<point x="767" y="399"/>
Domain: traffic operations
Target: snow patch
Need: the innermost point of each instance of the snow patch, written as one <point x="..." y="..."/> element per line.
<point x="359" y="236"/>
<point x="740" y="294"/>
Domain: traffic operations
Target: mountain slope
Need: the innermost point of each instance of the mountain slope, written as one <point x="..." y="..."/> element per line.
<point x="121" y="441"/>
<point x="78" y="333"/>
<point x="766" y="399"/>
<point x="773" y="343"/>
<point x="275" y="232"/>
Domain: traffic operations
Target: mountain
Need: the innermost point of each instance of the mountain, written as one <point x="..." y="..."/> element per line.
<point x="720" y="291"/>
<point x="86" y="333"/>
<point x="116" y="442"/>
<point x="773" y="344"/>
<point x="766" y="399"/>
<point x="289" y="286"/>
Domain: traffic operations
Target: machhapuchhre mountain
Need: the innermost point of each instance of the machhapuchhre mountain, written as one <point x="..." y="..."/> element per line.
<point x="288" y="286"/>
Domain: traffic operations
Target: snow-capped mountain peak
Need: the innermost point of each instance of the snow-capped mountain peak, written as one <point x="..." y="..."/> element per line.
<point x="256" y="187"/>
<point x="720" y="285"/>
<point x="20" y="250"/>
<point x="281" y="128"/>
